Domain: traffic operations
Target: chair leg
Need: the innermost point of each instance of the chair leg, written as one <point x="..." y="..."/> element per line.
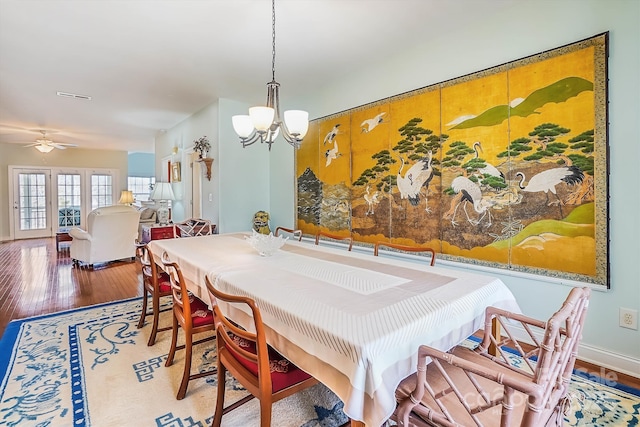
<point x="156" y="315"/>
<point x="145" y="296"/>
<point x="222" y="374"/>
<point x="265" y="412"/>
<point x="174" y="341"/>
<point x="188" y="344"/>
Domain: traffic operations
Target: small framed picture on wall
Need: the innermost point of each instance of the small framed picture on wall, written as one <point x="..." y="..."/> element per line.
<point x="175" y="172"/>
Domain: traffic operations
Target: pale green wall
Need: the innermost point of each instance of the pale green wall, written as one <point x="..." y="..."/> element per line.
<point x="204" y="122"/>
<point x="526" y="29"/>
<point x="251" y="178"/>
<point x="17" y="155"/>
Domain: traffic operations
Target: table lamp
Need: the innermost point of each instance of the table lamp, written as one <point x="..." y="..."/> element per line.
<point x="126" y="198"/>
<point x="163" y="192"/>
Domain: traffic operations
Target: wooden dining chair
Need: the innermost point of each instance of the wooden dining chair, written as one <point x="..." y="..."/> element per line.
<point x="346" y="239"/>
<point x="155" y="284"/>
<point x="405" y="248"/>
<point x="193" y="316"/>
<point x="261" y="370"/>
<point x="522" y="385"/>
<point x="296" y="233"/>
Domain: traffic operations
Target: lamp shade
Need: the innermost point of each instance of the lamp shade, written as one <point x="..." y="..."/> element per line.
<point x="126" y="197"/>
<point x="44" y="148"/>
<point x="297" y="122"/>
<point x="242" y="125"/>
<point x="162" y="191"/>
<point x="262" y="117"/>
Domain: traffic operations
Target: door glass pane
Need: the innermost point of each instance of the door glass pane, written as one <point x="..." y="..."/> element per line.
<point x="32" y="201"/>
<point x="69" y="200"/>
<point x="101" y="191"/>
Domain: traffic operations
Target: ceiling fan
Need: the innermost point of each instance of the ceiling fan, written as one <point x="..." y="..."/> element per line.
<point x="44" y="144"/>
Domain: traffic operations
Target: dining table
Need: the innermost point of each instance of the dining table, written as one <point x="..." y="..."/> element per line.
<point x="352" y="320"/>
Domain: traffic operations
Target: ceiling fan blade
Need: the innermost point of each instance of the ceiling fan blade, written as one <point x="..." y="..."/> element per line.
<point x="31" y="145"/>
<point x="62" y="145"/>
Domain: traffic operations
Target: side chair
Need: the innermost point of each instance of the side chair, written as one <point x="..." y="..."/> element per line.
<point x="193" y="227"/>
<point x="193" y="316"/>
<point x="296" y="233"/>
<point x="155" y="284"/>
<point x="346" y="239"/>
<point x="259" y="368"/>
<point x="523" y="385"/>
<point x="405" y="248"/>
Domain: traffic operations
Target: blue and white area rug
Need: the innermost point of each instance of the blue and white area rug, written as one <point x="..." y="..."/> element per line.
<point x="92" y="367"/>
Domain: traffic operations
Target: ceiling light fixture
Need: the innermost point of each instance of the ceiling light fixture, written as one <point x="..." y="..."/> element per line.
<point x="263" y="123"/>
<point x="44" y="148"/>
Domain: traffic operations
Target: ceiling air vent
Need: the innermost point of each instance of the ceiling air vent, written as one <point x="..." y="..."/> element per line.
<point x="73" y="95"/>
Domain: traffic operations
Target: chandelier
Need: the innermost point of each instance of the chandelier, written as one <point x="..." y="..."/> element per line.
<point x="264" y="123"/>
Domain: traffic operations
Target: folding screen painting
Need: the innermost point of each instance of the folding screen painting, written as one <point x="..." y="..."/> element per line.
<point x="506" y="167"/>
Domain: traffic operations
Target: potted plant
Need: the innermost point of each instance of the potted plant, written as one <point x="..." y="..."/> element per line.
<point x="201" y="146"/>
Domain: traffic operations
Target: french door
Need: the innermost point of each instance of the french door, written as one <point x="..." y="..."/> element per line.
<point x="47" y="200"/>
<point x="31" y="203"/>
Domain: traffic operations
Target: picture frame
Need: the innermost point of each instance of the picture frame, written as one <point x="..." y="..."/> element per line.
<point x="506" y="167"/>
<point x="175" y="172"/>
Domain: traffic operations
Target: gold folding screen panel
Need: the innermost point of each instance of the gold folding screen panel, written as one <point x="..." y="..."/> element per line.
<point x="506" y="167"/>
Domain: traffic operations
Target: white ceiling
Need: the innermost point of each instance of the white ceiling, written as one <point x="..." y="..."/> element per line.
<point x="149" y="64"/>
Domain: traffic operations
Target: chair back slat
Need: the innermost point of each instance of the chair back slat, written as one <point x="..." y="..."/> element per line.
<point x="179" y="292"/>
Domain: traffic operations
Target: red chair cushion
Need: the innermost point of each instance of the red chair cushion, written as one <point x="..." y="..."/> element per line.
<point x="164" y="283"/>
<point x="283" y="373"/>
<point x="200" y="312"/>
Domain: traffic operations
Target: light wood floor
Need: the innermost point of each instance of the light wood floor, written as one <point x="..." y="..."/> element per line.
<point x="35" y="279"/>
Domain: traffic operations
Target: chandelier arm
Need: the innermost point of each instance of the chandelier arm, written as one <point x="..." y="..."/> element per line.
<point x="251" y="139"/>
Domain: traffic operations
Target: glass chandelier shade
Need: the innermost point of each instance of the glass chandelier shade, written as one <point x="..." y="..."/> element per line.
<point x="44" y="148"/>
<point x="264" y="123"/>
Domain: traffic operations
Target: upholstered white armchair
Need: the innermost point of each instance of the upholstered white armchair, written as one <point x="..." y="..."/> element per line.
<point x="111" y="235"/>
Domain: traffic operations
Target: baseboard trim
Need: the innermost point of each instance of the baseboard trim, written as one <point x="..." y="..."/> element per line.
<point x="609" y="360"/>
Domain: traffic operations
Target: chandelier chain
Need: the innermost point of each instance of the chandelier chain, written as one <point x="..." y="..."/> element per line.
<point x="273" y="40"/>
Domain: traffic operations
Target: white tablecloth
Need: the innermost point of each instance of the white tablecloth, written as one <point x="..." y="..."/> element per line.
<point x="354" y="321"/>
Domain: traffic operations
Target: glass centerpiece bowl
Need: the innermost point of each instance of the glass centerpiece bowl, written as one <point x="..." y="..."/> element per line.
<point x="265" y="244"/>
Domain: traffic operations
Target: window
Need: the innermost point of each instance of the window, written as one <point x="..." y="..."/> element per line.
<point x="69" y="200"/>
<point x="141" y="187"/>
<point x="101" y="191"/>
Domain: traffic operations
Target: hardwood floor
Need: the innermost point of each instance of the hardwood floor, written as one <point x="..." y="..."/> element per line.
<point x="35" y="279"/>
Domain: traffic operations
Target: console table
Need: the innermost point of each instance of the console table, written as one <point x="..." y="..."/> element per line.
<point x="159" y="232"/>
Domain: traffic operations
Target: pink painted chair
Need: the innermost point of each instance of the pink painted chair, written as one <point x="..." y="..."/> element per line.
<point x="473" y="388"/>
